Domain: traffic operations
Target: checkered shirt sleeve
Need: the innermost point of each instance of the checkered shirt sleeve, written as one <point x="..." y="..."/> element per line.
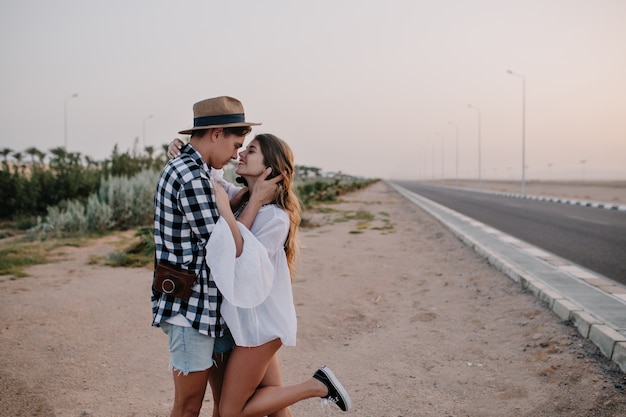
<point x="184" y="216"/>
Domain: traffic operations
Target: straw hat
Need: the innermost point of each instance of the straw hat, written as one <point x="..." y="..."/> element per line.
<point x="217" y="112"/>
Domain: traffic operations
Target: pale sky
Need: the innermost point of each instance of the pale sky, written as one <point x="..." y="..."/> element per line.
<point x="364" y="87"/>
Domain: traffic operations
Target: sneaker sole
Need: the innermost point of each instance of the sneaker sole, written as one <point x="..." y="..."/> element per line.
<point x="342" y="391"/>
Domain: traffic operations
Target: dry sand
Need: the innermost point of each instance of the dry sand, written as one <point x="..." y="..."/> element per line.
<point x="412" y="321"/>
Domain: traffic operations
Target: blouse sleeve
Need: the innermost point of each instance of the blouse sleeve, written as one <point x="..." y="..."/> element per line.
<point x="245" y="281"/>
<point x="271" y="228"/>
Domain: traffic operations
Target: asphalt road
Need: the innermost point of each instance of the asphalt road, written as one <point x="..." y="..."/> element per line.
<point x="591" y="237"/>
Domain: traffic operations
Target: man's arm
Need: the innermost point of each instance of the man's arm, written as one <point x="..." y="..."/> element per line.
<point x="198" y="206"/>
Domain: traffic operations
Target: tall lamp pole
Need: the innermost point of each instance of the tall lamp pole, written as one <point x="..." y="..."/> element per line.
<point x="144" y="130"/>
<point x="442" y="155"/>
<point x="480" y="169"/>
<point x="65" y="118"/>
<point x="432" y="160"/>
<point x="456" y="174"/>
<point x="523" y="128"/>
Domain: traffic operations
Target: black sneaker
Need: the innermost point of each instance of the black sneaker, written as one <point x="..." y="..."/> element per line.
<point x="336" y="392"/>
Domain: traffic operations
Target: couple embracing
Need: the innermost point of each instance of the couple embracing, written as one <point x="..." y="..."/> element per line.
<point x="223" y="268"/>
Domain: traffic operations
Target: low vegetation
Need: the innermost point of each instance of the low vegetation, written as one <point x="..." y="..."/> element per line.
<point x="93" y="199"/>
<point x="19" y="254"/>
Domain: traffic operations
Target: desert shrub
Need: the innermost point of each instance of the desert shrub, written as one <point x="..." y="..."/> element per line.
<point x="319" y="189"/>
<point x="73" y="220"/>
<point x="61" y="222"/>
<point x="99" y="214"/>
<point x="118" y="195"/>
<point x="139" y="253"/>
<point x="121" y="203"/>
<point x="130" y="199"/>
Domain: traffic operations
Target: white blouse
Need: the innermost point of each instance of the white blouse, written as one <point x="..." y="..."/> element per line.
<point x="257" y="302"/>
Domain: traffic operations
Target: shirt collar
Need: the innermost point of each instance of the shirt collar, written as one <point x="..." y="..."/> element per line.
<point x="196" y="157"/>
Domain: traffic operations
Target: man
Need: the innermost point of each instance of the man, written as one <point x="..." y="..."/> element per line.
<point x="185" y="214"/>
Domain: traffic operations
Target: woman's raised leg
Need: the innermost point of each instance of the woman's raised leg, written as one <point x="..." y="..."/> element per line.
<point x="241" y="395"/>
<point x="273" y="377"/>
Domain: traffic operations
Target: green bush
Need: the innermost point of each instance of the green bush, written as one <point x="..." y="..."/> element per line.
<point x="130" y="199"/>
<point x="61" y="222"/>
<point x="28" y="188"/>
<point x="320" y="189"/>
<point x="121" y="203"/>
<point x="99" y="214"/>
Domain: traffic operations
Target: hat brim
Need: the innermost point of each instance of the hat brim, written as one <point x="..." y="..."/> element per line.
<point x="241" y="124"/>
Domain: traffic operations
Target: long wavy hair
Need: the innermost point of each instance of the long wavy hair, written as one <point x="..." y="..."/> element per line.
<point x="278" y="156"/>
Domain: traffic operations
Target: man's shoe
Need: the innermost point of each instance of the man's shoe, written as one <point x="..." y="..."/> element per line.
<point x="336" y="392"/>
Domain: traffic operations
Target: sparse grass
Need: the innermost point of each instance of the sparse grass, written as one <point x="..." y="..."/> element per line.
<point x="386" y="227"/>
<point x="20" y="253"/>
<point x="327" y="210"/>
<point x="360" y="215"/>
<point x="306" y="223"/>
<point x="15" y="227"/>
<point x="365" y="220"/>
<point x="138" y="254"/>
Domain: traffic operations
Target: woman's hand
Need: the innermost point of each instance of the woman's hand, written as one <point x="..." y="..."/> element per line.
<point x="173" y="150"/>
<point x="221" y="199"/>
<point x="265" y="191"/>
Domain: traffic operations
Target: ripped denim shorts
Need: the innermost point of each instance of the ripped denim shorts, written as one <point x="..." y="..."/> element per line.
<point x="191" y="351"/>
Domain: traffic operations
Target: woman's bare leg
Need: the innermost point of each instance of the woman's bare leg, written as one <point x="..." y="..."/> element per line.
<point x="273" y="377"/>
<point x="241" y="395"/>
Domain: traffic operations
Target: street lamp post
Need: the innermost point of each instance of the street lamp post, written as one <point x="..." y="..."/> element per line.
<point x="422" y="164"/>
<point x="432" y="160"/>
<point x="456" y="174"/>
<point x="442" y="156"/>
<point x="144" y="129"/>
<point x="523" y="128"/>
<point x="65" y="118"/>
<point x="480" y="169"/>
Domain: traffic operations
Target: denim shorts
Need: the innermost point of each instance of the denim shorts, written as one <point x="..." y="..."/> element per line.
<point x="192" y="351"/>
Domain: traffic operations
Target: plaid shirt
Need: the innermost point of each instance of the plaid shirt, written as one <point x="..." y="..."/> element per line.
<point x="184" y="216"/>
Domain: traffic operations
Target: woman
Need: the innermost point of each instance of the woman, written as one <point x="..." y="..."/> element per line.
<point x="255" y="281"/>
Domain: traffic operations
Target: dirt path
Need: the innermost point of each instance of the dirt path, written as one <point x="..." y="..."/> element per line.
<point x="411" y="320"/>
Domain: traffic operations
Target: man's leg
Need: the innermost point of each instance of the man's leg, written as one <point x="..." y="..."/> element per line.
<point x="188" y="392"/>
<point x="191" y="362"/>
<point x="216" y="378"/>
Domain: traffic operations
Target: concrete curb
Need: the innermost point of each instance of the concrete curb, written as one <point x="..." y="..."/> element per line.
<point x="609" y="338"/>
<point x="570" y="201"/>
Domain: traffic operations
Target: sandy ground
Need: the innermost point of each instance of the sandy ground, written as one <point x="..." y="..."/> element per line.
<point x="413" y="322"/>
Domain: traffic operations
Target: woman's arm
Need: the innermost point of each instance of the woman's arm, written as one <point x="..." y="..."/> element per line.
<point x="173" y="149"/>
<point x="223" y="206"/>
